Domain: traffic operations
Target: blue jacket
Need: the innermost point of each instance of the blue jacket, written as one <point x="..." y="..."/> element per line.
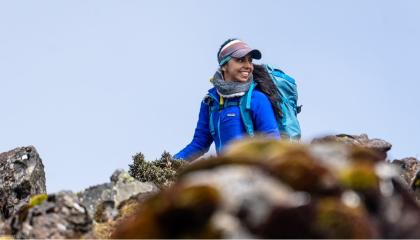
<point x="228" y="124"/>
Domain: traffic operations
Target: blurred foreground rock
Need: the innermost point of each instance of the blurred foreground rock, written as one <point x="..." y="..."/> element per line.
<point x="21" y="175"/>
<point x="261" y="188"/>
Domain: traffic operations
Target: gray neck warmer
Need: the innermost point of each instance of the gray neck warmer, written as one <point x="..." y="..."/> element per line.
<point x="229" y="89"/>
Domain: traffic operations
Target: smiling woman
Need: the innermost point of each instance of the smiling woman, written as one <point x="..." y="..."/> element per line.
<point x="220" y="118"/>
<point x="238" y="69"/>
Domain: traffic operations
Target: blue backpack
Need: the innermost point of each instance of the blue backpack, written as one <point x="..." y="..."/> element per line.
<point x="288" y="124"/>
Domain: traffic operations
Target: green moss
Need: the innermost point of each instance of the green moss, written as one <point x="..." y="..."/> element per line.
<point x="360" y="177"/>
<point x="416" y="183"/>
<point x="37" y="199"/>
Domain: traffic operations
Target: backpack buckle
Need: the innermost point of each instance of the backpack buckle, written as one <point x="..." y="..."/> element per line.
<point x="299" y="108"/>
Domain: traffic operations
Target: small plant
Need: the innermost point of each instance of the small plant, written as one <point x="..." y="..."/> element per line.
<point x="162" y="171"/>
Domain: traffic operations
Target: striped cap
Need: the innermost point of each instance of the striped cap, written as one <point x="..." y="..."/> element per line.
<point x="237" y="49"/>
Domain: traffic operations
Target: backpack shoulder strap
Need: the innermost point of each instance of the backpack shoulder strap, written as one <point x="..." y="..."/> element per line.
<point x="213" y="105"/>
<point x="245" y="107"/>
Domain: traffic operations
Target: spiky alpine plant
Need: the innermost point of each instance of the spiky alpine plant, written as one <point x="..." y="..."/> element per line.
<point x="161" y="171"/>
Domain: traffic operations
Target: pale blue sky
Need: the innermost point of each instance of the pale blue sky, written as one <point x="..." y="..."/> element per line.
<point x="91" y="83"/>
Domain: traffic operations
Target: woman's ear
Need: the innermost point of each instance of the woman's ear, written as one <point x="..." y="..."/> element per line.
<point x="223" y="68"/>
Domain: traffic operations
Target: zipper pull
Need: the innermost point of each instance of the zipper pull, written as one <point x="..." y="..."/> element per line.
<point x="221" y="103"/>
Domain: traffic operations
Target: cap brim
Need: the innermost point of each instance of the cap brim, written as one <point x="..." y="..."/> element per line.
<point x="254" y="53"/>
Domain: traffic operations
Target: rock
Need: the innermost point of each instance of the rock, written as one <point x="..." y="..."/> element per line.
<point x="378" y="145"/>
<point x="105" y="212"/>
<point x="409" y="167"/>
<point x="60" y="215"/>
<point x="21" y="175"/>
<point x="185" y="215"/>
<point x="130" y="205"/>
<point x="260" y="188"/>
<point x="109" y="195"/>
<point x="107" y="216"/>
<point x="93" y="196"/>
<point x="3" y="230"/>
<point x="251" y="195"/>
<point x="410" y="174"/>
<point x="377" y="182"/>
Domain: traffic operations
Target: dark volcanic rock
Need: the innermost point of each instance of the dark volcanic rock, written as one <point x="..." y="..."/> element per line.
<point x="61" y="215"/>
<point x="21" y="175"/>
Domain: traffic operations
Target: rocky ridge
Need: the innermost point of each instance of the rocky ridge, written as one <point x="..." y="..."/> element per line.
<point x="336" y="186"/>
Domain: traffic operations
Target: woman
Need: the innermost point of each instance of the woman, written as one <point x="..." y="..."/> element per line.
<point x="232" y="80"/>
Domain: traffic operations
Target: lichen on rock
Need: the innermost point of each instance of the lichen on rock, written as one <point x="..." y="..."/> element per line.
<point x="21" y="176"/>
<point x="61" y="215"/>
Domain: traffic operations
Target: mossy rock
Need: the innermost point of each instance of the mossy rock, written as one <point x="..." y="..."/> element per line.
<point x="359" y="177"/>
<point x="334" y="219"/>
<point x="178" y="212"/>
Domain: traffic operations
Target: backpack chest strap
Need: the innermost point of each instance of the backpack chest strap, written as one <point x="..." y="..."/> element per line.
<point x="226" y="103"/>
<point x="218" y="107"/>
<point x="231" y="103"/>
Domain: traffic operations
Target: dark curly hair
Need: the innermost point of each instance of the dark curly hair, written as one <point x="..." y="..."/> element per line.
<point x="267" y="86"/>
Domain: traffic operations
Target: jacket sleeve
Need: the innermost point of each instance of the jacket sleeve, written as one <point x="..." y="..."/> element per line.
<point x="263" y="117"/>
<point x="202" y="139"/>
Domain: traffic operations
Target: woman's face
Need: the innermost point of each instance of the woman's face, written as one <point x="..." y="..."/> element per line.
<point x="238" y="69"/>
